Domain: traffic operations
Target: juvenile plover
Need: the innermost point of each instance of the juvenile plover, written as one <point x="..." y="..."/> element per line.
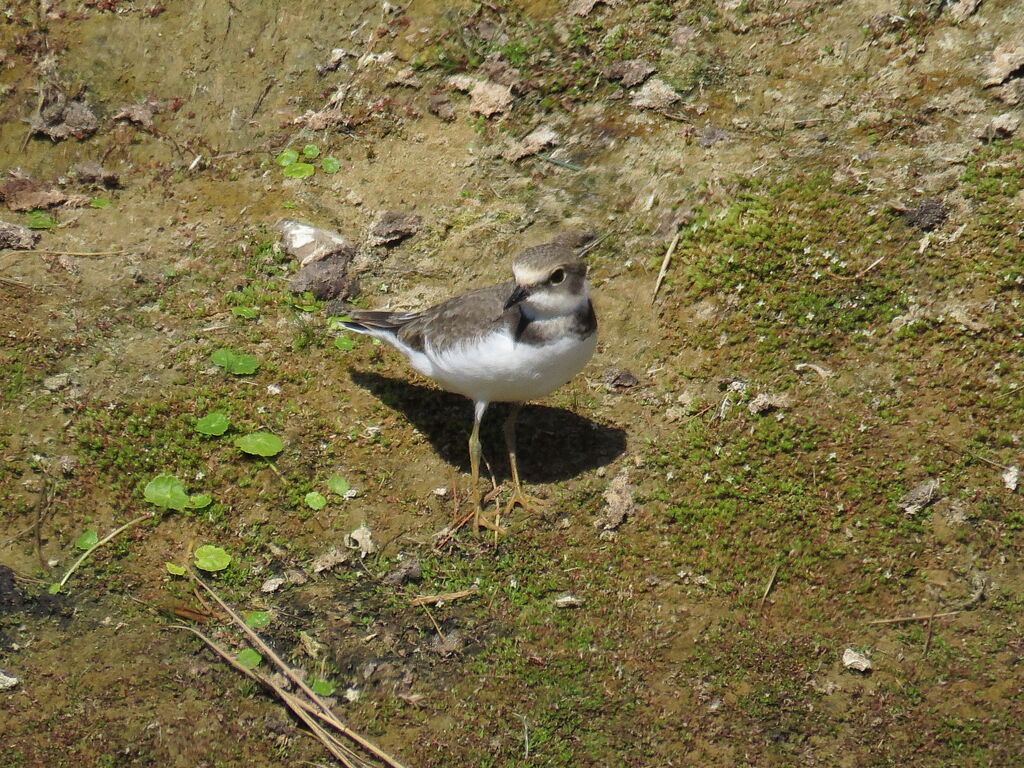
<point x="512" y="342"/>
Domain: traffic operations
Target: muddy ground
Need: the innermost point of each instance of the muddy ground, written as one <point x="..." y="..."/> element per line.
<point x="814" y="426"/>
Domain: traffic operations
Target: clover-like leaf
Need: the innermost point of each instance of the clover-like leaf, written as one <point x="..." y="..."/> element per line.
<point x="166" y="491"/>
<point x="249" y="658"/>
<point x="41" y="220"/>
<point x="214" y="423"/>
<point x="257" y="619"/>
<point x="211" y="558"/>
<point x="235" y="362"/>
<point x="287" y="157"/>
<point x="311" y="151"/>
<point x="330" y="165"/>
<point x="345" y="343"/>
<point x="323" y="687"/>
<point x="316" y="500"/>
<point x="299" y="170"/>
<point x="338" y="484"/>
<point x="260" y="444"/>
<point x="199" y="501"/>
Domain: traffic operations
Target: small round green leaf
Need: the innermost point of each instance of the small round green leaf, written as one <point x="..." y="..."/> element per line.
<point x="199" y="501"/>
<point x="234" y="362"/>
<point x="166" y="491"/>
<point x="174" y="569"/>
<point x="211" y="558"/>
<point x="213" y="423"/>
<point x="41" y="220"/>
<point x="323" y="687"/>
<point x="257" y="619"/>
<point x="299" y="170"/>
<point x="316" y="500"/>
<point x="246" y="313"/>
<point x="260" y="444"/>
<point x="311" y="151"/>
<point x="338" y="484"/>
<point x="287" y="157"/>
<point x="330" y="165"/>
<point x="54" y="588"/>
<point x="249" y="658"/>
<point x="99" y="202"/>
<point x="345" y="343"/>
<point x="87" y="540"/>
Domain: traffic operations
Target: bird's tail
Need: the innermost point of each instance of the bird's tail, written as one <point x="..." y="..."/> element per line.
<point x="383" y="325"/>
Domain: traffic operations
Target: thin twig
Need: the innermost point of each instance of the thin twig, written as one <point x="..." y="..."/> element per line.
<point x="329" y="715"/>
<point x="559" y="163"/>
<point x="297" y="705"/>
<point x="97" y="545"/>
<point x="928" y="639"/>
<point x="664" y="264"/>
<point x="447" y="597"/>
<point x="860" y="274"/>
<point x="57" y="252"/>
<point x="768" y="588"/>
<point x="906" y="619"/>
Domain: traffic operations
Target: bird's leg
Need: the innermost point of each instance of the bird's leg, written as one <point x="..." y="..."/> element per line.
<point x="474" y="469"/>
<point x="529" y="503"/>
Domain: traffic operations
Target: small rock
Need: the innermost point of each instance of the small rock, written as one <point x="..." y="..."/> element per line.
<point x="448" y="644"/>
<point x="405" y="78"/>
<point x="333" y="62"/>
<point x="7" y="682"/>
<point x="619" y="498"/>
<point x="928" y="215"/>
<point x="308" y="244"/>
<point x="56" y="382"/>
<point x="1011" y="476"/>
<point x="440" y="105"/>
<point x="920" y="496"/>
<point x="410" y="570"/>
<point x="140" y="114"/>
<point x="960" y="10"/>
<point x="656" y="94"/>
<point x="394" y="226"/>
<point x="765" y="401"/>
<point x="327" y="278"/>
<point x="93" y="173"/>
<point x="499" y="71"/>
<point x="25" y="194"/>
<point x="629" y="73"/>
<point x="619" y="379"/>
<point x="362" y="539"/>
<point x="17" y="237"/>
<point x="329" y="560"/>
<point x="584" y="7"/>
<point x="296" y="577"/>
<point x="1001" y="127"/>
<point x="272" y="584"/>
<point x="535" y="141"/>
<point x="489" y="98"/>
<point x="62" y="118"/>
<point x="856" y="661"/>
<point x="711" y="136"/>
<point x="568" y="601"/>
<point x="1007" y="59"/>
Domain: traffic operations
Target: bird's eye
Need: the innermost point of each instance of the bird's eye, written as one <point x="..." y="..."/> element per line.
<point x="557" y="276"/>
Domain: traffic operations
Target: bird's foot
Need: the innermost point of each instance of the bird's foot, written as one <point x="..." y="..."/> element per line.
<point x="531" y="504"/>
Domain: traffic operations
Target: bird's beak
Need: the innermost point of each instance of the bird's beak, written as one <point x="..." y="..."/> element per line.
<point x="518" y="295"/>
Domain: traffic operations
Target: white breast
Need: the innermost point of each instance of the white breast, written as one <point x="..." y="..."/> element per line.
<point x="497" y="368"/>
